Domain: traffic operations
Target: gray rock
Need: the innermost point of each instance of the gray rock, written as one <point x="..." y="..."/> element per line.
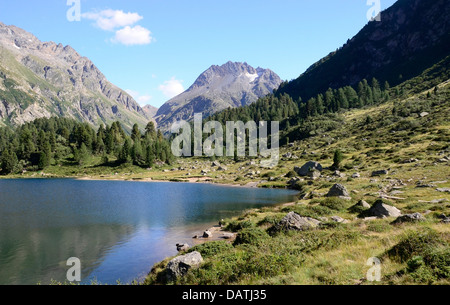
<point x="416" y="217"/>
<point x="227" y="235"/>
<point x="380" y="209"/>
<point x="207" y="234"/>
<point x="338" y="190"/>
<point x="380" y="173"/>
<point x="180" y="265"/>
<point x="309" y="166"/>
<point x="293" y="221"/>
<point x="443" y="189"/>
<point x="423" y="114"/>
<point x="315" y="174"/>
<point x="363" y="204"/>
<point x="356" y="175"/>
<point x="338" y="174"/>
<point x="446" y="220"/>
<point x="182" y="247"/>
<point x="339" y="219"/>
<point x="215" y="164"/>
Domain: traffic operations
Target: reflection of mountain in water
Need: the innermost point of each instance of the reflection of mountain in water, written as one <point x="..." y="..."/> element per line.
<point x="29" y="255"/>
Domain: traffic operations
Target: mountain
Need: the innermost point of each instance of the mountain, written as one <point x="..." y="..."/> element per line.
<point x="150" y="111"/>
<point x="43" y="79"/>
<point x="411" y="36"/>
<point x="218" y="88"/>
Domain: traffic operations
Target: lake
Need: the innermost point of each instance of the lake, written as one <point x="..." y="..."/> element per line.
<point x="117" y="229"/>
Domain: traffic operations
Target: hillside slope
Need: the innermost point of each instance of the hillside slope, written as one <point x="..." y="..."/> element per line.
<point x="412" y="36"/>
<point x="43" y="79"/>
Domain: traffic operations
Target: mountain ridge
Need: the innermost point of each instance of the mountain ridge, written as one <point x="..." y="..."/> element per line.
<point x="232" y="84"/>
<point x="56" y="80"/>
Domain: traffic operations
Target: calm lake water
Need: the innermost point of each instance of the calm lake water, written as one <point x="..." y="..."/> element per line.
<point x="117" y="229"/>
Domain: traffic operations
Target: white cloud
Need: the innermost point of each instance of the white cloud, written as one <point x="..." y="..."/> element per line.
<point x="141" y="99"/>
<point x="136" y="35"/>
<point x="109" y="20"/>
<point x="172" y="88"/>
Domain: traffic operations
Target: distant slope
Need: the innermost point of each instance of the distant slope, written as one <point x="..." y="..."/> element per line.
<point x="43" y="79"/>
<point x="412" y="36"/>
<point x="218" y="88"/>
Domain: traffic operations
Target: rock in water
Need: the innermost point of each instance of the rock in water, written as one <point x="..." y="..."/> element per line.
<point x="182" y="247"/>
<point x="180" y="265"/>
<point x="293" y="221"/>
<point x="338" y="190"/>
<point x="380" y="209"/>
<point x="309" y="166"/>
<point x="207" y="234"/>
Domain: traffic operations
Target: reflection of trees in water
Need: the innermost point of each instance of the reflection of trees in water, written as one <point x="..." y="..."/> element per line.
<point x="42" y="253"/>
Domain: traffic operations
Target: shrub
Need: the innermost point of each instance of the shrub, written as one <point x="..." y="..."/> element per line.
<point x="335" y="203"/>
<point x="236" y="226"/>
<point x="212" y="248"/>
<point x="252" y="236"/>
<point x="416" y="243"/>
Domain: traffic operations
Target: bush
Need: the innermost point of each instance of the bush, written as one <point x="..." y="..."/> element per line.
<point x="416" y="243"/>
<point x="236" y="226"/>
<point x="252" y="236"/>
<point x="210" y="249"/>
<point x="335" y="203"/>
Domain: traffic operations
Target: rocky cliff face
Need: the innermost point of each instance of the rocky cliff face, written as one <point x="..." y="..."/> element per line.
<point x="41" y="79"/>
<point x="216" y="89"/>
<point x="411" y="36"/>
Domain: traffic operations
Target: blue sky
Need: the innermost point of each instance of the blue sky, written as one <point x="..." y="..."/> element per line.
<point x="156" y="48"/>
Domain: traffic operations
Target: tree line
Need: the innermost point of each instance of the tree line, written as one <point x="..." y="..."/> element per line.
<point x="48" y="141"/>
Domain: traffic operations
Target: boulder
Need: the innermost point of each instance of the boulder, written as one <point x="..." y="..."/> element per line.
<point x="227" y="235"/>
<point x="380" y="173"/>
<point x="180" y="265"/>
<point x="215" y="164"/>
<point x="338" y="190"/>
<point x="416" y="217"/>
<point x="338" y="174"/>
<point x="293" y="221"/>
<point x="182" y="247"/>
<point x="207" y="234"/>
<point x="443" y="189"/>
<point x="314" y="174"/>
<point x="309" y="166"/>
<point x="380" y="209"/>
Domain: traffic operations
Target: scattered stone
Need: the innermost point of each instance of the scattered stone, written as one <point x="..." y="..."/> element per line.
<point x="339" y="219"/>
<point x="380" y="209"/>
<point x="215" y="164"/>
<point x="222" y="168"/>
<point x="380" y="173"/>
<point x="309" y="166"/>
<point x="416" y="217"/>
<point x="293" y="221"/>
<point x="362" y="204"/>
<point x="411" y="160"/>
<point x="182" y="247"/>
<point x="356" y="175"/>
<point x="227" y="235"/>
<point x="423" y="114"/>
<point x="338" y="174"/>
<point x="313" y="175"/>
<point x="338" y="190"/>
<point x="446" y="220"/>
<point x="180" y="265"/>
<point x="443" y="190"/>
<point x="396" y="192"/>
<point x="207" y="234"/>
<point x="291" y="145"/>
<point x="287" y="155"/>
<point x="439" y="200"/>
